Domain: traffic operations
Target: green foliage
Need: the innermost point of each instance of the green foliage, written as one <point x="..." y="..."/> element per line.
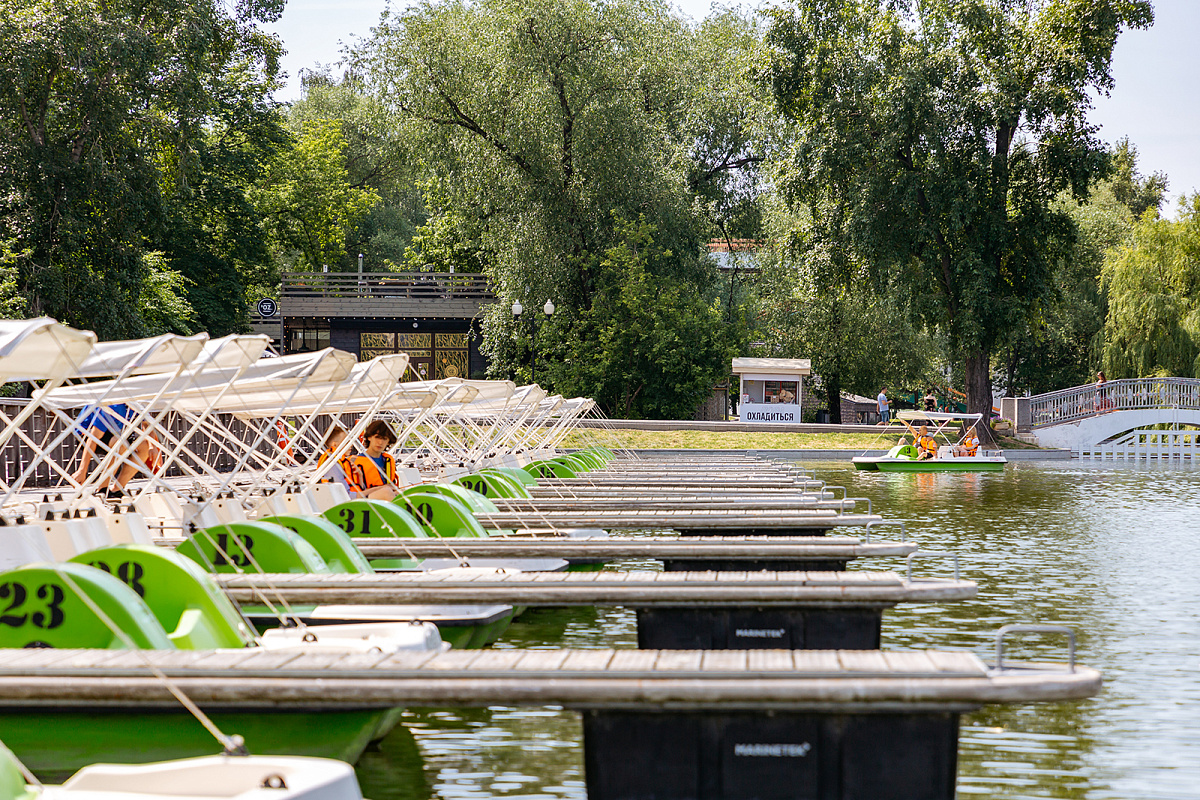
<point x="307" y="200"/>
<point x="103" y="106"/>
<point x="542" y="126"/>
<point x="939" y="135"/>
<point x="859" y="335"/>
<point x="646" y="347"/>
<point x="1153" y="325"/>
<point x="376" y="157"/>
<point x="162" y="304"/>
<point x="1136" y="192"/>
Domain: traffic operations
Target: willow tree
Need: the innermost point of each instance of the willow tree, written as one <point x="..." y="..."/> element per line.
<point x="941" y="133"/>
<point x="1153" y="324"/>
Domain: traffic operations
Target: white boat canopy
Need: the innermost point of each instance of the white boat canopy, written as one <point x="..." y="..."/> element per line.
<point x="41" y="349"/>
<point x="948" y="416"/>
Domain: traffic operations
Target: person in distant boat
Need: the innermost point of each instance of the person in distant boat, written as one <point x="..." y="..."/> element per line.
<point x="969" y="446"/>
<point x="373" y="472"/>
<point x="926" y="444"/>
<point x="102" y="428"/>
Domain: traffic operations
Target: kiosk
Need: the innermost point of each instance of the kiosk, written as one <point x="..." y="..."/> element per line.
<point x="769" y="388"/>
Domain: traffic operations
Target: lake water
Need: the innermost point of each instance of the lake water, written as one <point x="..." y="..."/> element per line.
<point x="1111" y="550"/>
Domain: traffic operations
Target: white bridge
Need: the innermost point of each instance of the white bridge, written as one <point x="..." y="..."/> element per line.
<point x="1150" y="418"/>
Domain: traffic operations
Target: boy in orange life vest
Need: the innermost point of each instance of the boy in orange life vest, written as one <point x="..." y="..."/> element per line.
<point x="373" y="473"/>
<point x="926" y="444"/>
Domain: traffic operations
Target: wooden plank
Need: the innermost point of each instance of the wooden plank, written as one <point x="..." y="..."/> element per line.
<point x="863" y="661"/>
<point x="633" y="661"/>
<point x="587" y="660"/>
<point x="909" y="661"/>
<point x="824" y="662"/>
<point x="541" y="660"/>
<point x="678" y="660"/>
<point x="769" y="661"/>
<point x="724" y="661"/>
<point x="497" y="660"/>
<point x="452" y="660"/>
<point x="957" y="662"/>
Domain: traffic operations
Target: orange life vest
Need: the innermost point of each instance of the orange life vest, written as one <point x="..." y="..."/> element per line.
<point x="362" y="471"/>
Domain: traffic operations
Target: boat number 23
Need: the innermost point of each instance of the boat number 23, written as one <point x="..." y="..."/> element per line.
<point x="16" y="594"/>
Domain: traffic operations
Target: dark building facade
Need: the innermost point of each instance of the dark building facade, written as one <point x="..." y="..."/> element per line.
<point x="434" y="317"/>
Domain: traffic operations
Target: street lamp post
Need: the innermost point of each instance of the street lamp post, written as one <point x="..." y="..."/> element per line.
<point x="517" y="310"/>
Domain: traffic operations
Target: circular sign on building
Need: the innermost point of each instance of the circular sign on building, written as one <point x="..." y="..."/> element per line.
<point x="267" y="307"/>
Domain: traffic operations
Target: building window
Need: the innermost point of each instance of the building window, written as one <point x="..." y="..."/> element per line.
<point x="307" y="339"/>
<point x="431" y="356"/>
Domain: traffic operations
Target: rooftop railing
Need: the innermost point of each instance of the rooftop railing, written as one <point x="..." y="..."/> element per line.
<point x="385" y="285"/>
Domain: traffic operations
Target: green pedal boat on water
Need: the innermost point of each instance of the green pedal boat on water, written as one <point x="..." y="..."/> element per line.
<point x="906" y="457"/>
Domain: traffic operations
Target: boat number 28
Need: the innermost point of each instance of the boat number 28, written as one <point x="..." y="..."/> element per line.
<point x="16" y="594"/>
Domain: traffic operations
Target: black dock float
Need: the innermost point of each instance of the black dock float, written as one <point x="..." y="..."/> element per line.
<point x="759" y="628"/>
<point x="783" y="756"/>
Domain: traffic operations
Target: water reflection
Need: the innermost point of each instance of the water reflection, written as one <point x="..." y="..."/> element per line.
<point x="1112" y="550"/>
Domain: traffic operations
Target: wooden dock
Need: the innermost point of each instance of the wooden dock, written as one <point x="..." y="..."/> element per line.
<point x="766" y="680"/>
<point x="725" y="548"/>
<point x="639" y="589"/>
<point x="747" y="522"/>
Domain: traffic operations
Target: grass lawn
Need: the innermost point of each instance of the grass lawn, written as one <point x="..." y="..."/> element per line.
<point x="737" y="440"/>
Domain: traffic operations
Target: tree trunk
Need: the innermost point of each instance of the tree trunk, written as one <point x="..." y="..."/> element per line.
<point x="833" y="397"/>
<point x="979" y="393"/>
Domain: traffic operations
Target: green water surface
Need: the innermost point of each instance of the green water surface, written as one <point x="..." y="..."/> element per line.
<point x="1112" y="550"/>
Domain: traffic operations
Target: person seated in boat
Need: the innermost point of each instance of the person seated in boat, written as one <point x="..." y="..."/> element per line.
<point x="969" y="446"/>
<point x="373" y="472"/>
<point x="103" y="428"/>
<point x="926" y="444"/>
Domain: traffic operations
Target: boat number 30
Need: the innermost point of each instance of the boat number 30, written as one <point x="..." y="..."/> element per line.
<point x="51" y="615"/>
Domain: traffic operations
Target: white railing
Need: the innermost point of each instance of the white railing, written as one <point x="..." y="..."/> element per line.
<point x="1147" y="445"/>
<point x="1081" y="402"/>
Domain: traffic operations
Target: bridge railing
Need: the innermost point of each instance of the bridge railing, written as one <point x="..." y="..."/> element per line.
<point x="1080" y="402"/>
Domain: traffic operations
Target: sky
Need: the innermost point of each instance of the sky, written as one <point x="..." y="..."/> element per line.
<point x="1156" y="100"/>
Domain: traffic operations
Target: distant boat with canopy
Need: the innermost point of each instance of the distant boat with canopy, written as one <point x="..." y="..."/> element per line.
<point x="907" y="457"/>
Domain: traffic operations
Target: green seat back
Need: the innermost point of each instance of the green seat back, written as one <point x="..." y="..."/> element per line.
<point x="518" y="475"/>
<point x="474" y="501"/>
<point x="252" y="547"/>
<point x="333" y="543"/>
<point x="187" y="603"/>
<point x="574" y="463"/>
<point x="367" y="518"/>
<point x="549" y="469"/>
<point x="904" y="451"/>
<point x="441" y="514"/>
<point x="491" y="484"/>
<point x="42" y="605"/>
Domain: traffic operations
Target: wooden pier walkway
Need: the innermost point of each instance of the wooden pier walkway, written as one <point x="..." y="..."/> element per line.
<point x="774" y="680"/>
<point x="639" y="589"/>
<point x="726" y="548"/>
<point x="756" y="520"/>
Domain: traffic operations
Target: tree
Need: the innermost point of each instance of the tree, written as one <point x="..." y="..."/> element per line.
<point x="859" y="335"/>
<point x="376" y="157"/>
<point x="1153" y="325"/>
<point x="943" y="132"/>
<point x="101" y="108"/>
<point x="646" y="346"/>
<point x="546" y="129"/>
<point x="307" y="200"/>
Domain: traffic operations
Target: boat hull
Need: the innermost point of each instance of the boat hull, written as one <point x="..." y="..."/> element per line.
<point x="964" y="464"/>
<point x="56" y="742"/>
